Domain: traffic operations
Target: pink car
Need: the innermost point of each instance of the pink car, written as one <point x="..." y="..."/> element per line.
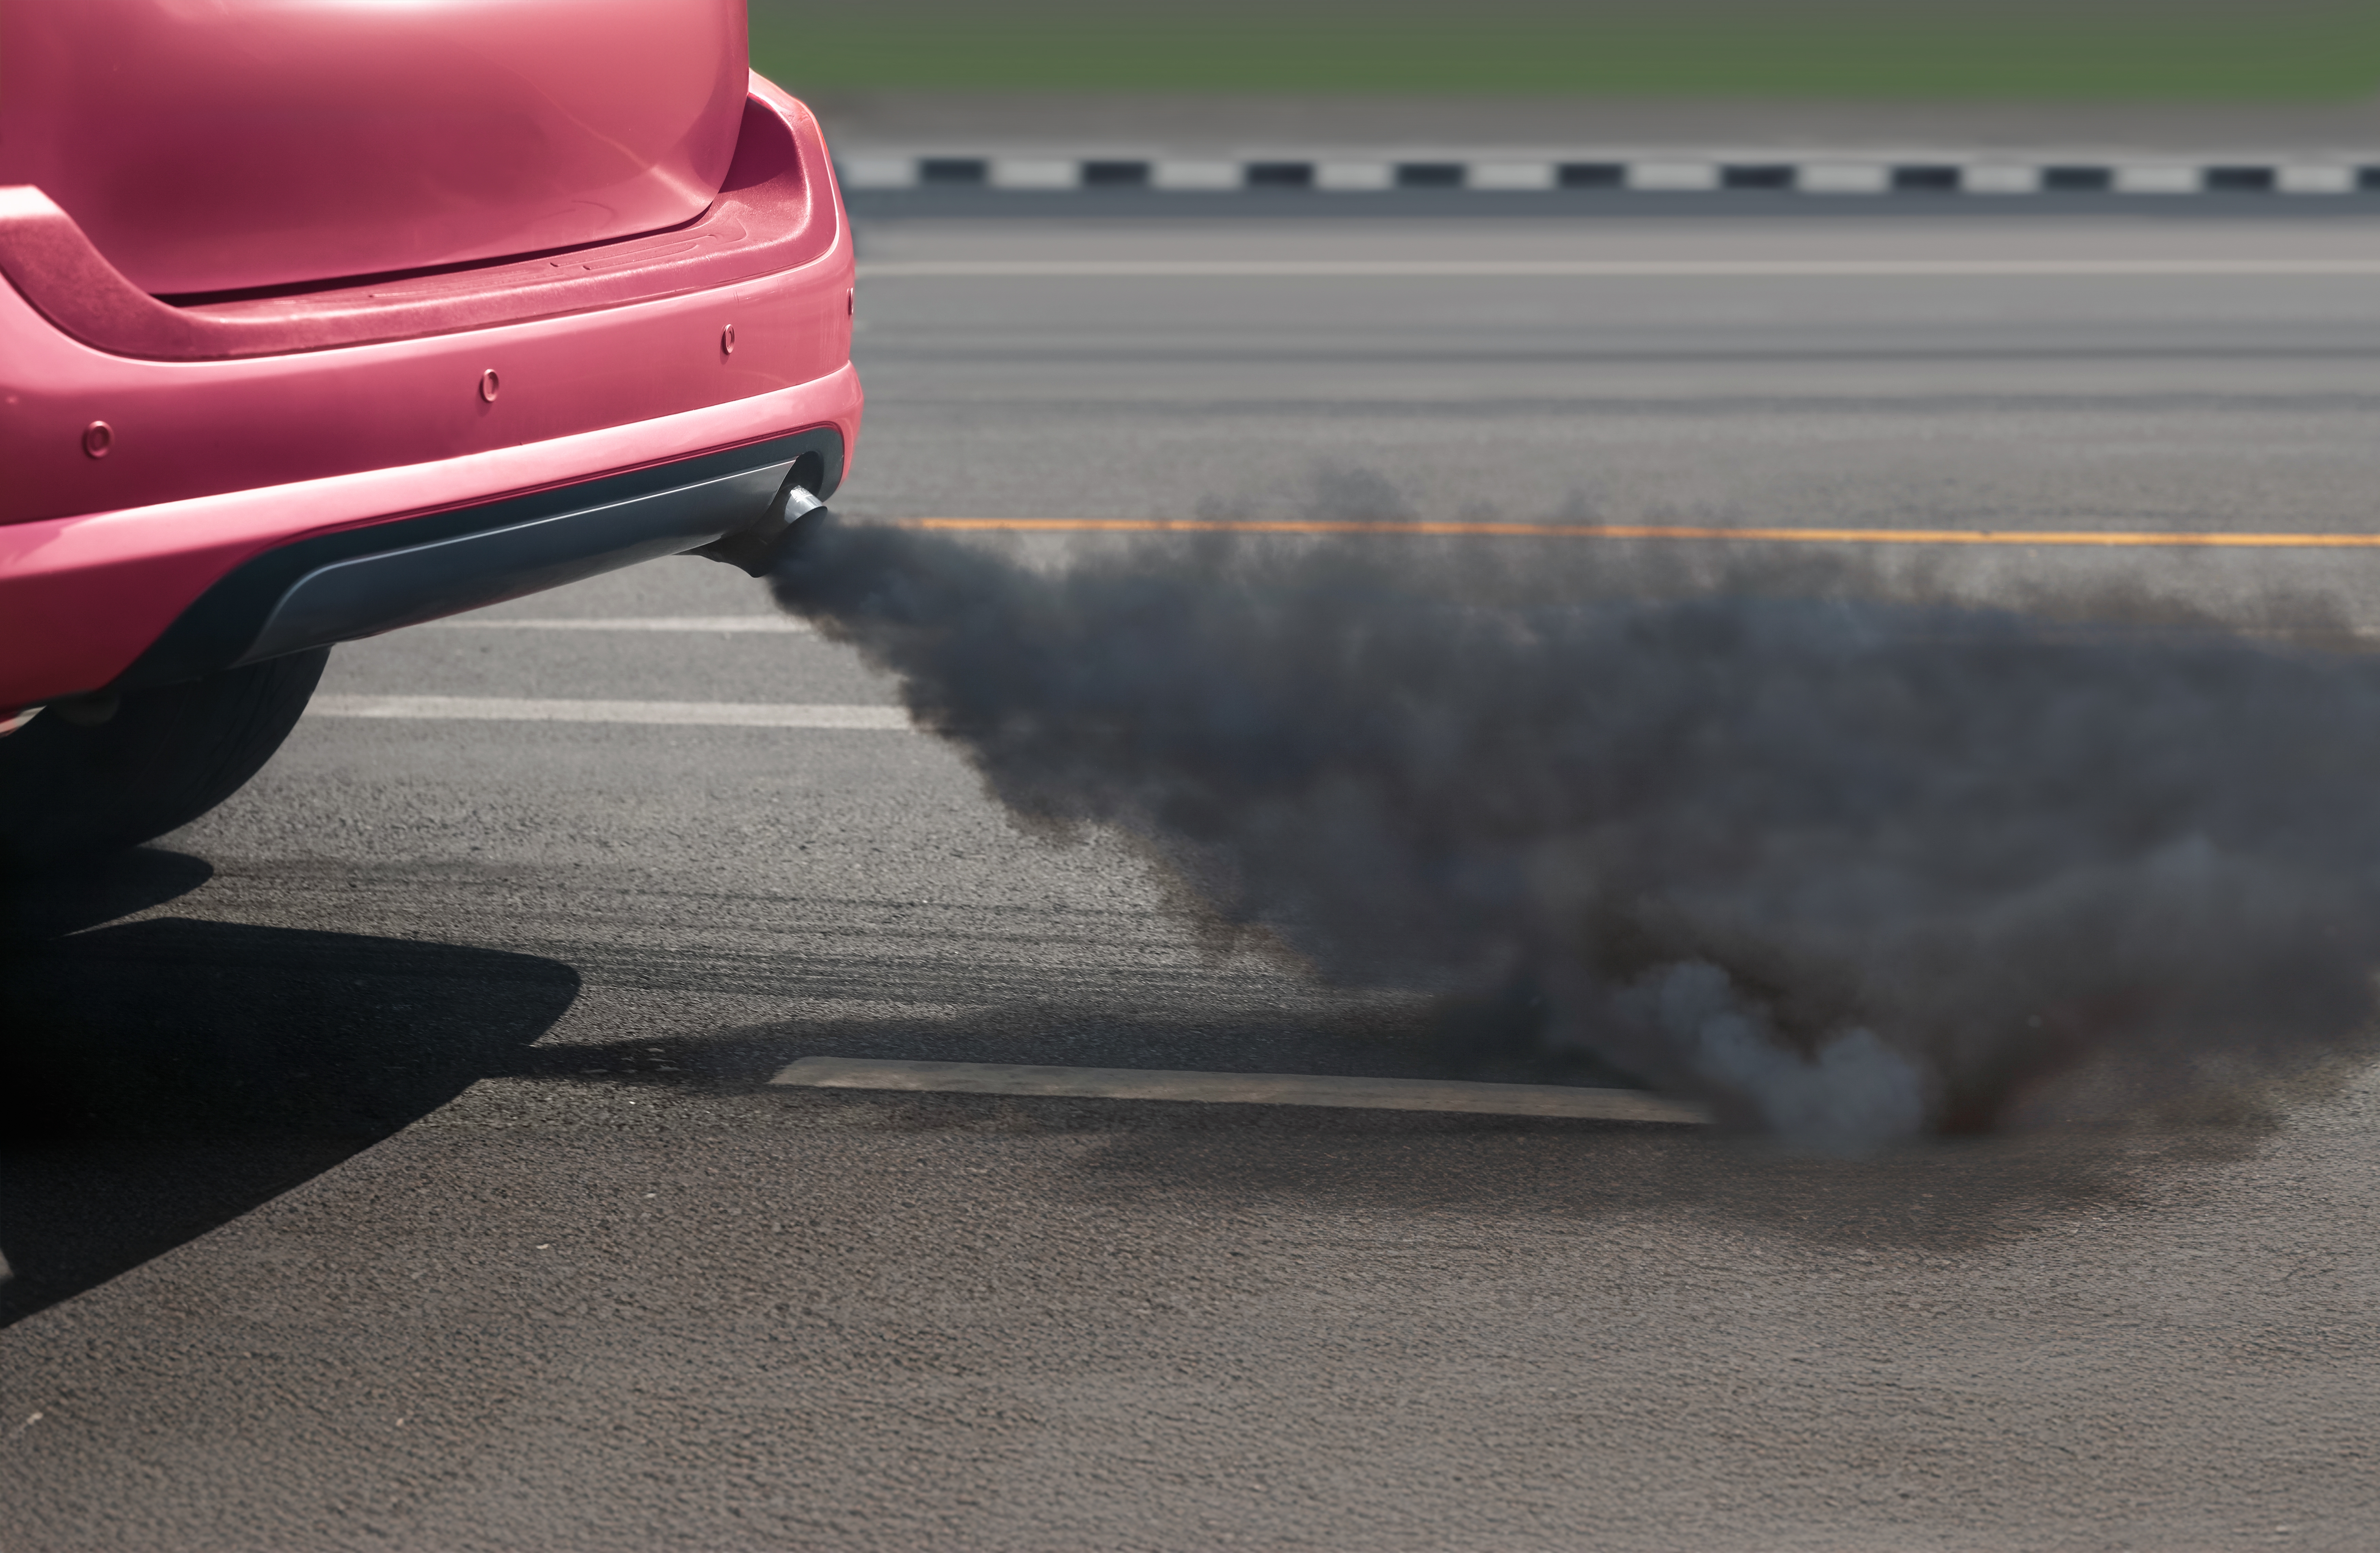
<point x="324" y="318"/>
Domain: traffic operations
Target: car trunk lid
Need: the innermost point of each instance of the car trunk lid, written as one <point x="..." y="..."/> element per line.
<point x="214" y="146"/>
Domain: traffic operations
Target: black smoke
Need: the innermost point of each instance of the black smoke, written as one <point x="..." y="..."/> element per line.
<point x="1851" y="866"/>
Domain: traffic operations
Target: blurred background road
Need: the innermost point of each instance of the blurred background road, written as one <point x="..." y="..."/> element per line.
<point x="392" y="1160"/>
<point x="2198" y="54"/>
<point x="2144" y="75"/>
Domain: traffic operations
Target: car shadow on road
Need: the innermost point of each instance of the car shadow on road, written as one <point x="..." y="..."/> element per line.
<point x="167" y="1074"/>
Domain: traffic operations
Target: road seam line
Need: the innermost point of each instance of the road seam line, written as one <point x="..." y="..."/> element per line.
<point x="1600" y="269"/>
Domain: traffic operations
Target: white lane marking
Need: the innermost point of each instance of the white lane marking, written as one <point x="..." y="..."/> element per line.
<point x="1269" y="1089"/>
<point x="1035" y="172"/>
<point x="636" y="623"/>
<point x="1593" y="269"/>
<point x="510" y="709"/>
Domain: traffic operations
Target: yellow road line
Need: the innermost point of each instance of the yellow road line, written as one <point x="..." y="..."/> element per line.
<point x="2105" y="539"/>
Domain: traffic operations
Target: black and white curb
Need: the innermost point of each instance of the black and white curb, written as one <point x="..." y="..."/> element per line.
<point x="1667" y="175"/>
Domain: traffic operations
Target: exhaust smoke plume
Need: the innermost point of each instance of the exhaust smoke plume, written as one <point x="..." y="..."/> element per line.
<point x="1850" y="868"/>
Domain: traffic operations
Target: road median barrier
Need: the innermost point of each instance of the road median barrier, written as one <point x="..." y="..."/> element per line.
<point x="1916" y="176"/>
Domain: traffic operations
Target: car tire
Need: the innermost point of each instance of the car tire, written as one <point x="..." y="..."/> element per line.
<point x="101" y="773"/>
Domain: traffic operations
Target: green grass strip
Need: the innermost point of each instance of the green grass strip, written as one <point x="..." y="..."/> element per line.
<point x="2178" y="50"/>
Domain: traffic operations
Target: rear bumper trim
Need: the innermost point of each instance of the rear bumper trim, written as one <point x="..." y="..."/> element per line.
<point x="374" y="593"/>
<point x="358" y="582"/>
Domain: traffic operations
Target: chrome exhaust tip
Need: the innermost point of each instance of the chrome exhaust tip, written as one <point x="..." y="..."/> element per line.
<point x="766" y="540"/>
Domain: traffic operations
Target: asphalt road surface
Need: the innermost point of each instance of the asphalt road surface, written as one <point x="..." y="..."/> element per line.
<point x="393" y="1162"/>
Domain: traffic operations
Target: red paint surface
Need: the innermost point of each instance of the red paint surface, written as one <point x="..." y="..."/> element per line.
<point x="213" y="145"/>
<point x="775" y="211"/>
<point x="82" y="597"/>
<point x="186" y="429"/>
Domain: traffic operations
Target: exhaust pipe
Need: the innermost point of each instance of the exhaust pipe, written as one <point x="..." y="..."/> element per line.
<point x="760" y="544"/>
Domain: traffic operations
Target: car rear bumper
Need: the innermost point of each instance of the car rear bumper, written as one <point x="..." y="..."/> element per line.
<point x="187" y="486"/>
<point x="144" y="595"/>
<point x="753" y="297"/>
